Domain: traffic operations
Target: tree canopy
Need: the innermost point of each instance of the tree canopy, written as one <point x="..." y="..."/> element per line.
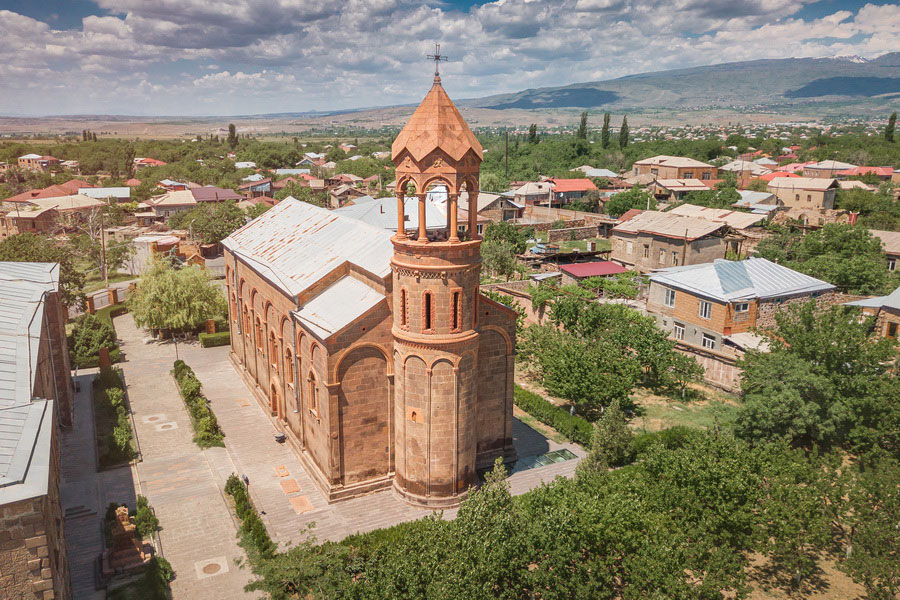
<point x="636" y="197"/>
<point x="177" y="299"/>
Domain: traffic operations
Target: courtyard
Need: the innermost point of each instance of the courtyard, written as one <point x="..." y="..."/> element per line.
<point x="185" y="484"/>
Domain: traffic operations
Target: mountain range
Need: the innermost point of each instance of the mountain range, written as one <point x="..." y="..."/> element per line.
<point x="789" y="81"/>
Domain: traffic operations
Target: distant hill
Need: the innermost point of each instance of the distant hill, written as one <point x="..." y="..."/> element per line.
<point x="728" y="85"/>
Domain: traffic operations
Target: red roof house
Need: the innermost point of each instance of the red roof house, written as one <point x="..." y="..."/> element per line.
<point x="600" y="268"/>
<point x="883" y="172"/>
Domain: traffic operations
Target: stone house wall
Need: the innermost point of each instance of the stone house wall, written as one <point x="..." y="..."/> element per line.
<point x="573" y="233"/>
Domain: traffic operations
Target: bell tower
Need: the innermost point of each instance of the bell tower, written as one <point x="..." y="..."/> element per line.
<point x="435" y="301"/>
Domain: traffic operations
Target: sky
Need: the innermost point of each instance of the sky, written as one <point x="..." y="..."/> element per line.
<point x="207" y="57"/>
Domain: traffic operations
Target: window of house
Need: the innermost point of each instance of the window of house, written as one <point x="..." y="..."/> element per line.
<point x="809" y="197"/>
<point x="705" y="309"/>
<point x="629" y="247"/>
<point x="456" y="316"/>
<point x="675" y="259"/>
<point x="891" y="330"/>
<point x="688" y="174"/>
<point x="427" y="308"/>
<point x="480" y="229"/>
<point x="662" y="256"/>
<point x="741" y="307"/>
<point x="646" y="250"/>
<point x="706" y="176"/>
<point x="654" y="171"/>
<point x="273" y="351"/>
<point x="679" y="331"/>
<point x="313" y="394"/>
<point x="670" y="298"/>
<point x="709" y="341"/>
<point x="797" y="197"/>
<point x="260" y="344"/>
<point x="892" y="264"/>
<point x="404" y="308"/>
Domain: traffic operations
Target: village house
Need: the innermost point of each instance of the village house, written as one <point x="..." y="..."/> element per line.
<point x="36" y="400"/>
<point x="27" y="219"/>
<point x="882" y="173"/>
<point x="746" y="225"/>
<point x="804" y="192"/>
<point x="674" y="190"/>
<point x="534" y="193"/>
<point x="567" y="190"/>
<point x="54" y="191"/>
<point x="711" y="309"/>
<point x="652" y="240"/>
<point x="825" y="169"/>
<point x="170" y="203"/>
<point x="343" y="194"/>
<point x="172" y="186"/>
<point x="674" y="167"/>
<point x="252" y="189"/>
<point x="890" y="243"/>
<point x="886" y="310"/>
<point x="213" y="194"/>
<point x="373" y="350"/>
<point x="71" y="165"/>
<point x="147" y="162"/>
<point x="114" y="194"/>
<point x="576" y="272"/>
<point x="36" y="162"/>
<point x="745" y="170"/>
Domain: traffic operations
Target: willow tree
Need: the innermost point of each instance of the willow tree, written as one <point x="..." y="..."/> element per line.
<point x="180" y="300"/>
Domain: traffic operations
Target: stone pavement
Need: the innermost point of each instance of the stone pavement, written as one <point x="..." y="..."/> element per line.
<point x="183" y="483"/>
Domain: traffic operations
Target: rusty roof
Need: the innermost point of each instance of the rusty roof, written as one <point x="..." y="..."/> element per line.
<point x="669" y="225"/>
<point x="436" y="123"/>
<point x="294" y="244"/>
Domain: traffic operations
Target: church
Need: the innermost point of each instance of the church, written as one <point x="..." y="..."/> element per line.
<point x="374" y="351"/>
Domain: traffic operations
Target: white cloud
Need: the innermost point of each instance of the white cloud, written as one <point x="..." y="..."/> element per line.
<point x="156" y="55"/>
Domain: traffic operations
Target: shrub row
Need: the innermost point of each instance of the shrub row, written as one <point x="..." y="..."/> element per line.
<point x="154" y="585"/>
<point x="206" y="428"/>
<point x="576" y="428"/>
<point x="255" y="539"/>
<point x="115" y="439"/>
<point x="211" y="340"/>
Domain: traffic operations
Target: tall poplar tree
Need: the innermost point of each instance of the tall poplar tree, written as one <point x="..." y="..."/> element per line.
<point x="889" y="130"/>
<point x="623" y="133"/>
<point x="604" y="133"/>
<point x="582" y="127"/>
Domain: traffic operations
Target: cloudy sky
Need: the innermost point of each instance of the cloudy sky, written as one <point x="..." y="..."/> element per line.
<point x="208" y="57"/>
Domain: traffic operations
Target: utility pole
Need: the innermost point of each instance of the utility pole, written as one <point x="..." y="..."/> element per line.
<point x="506" y="170"/>
<point x="103" y="251"/>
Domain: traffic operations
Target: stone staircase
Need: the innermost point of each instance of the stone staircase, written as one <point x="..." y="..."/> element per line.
<point x="76" y="512"/>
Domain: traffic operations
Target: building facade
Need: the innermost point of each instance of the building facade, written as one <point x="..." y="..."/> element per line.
<point x="375" y="352"/>
<point x="35" y="398"/>
<point x="674" y="167"/>
<point x="804" y="193"/>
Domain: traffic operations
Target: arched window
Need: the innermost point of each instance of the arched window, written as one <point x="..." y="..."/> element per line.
<point x="288" y="366"/>
<point x="404" y="308"/>
<point x="313" y="397"/>
<point x="234" y="308"/>
<point x="260" y="341"/>
<point x="427" y="312"/>
<point x="456" y="317"/>
<point x="246" y="321"/>
<point x="273" y="350"/>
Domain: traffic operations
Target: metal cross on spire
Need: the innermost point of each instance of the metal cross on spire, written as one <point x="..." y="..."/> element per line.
<point x="437" y="57"/>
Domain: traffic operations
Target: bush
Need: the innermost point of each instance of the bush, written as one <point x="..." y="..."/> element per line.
<point x="206" y="428"/>
<point x="90" y="334"/>
<point x="254" y="537"/>
<point x="145" y="520"/>
<point x="211" y="340"/>
<point x="555" y="416"/>
<point x="115" y="438"/>
<point x="673" y="438"/>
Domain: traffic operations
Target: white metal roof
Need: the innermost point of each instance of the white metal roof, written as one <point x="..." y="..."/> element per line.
<point x="726" y="280"/>
<point x="294" y="244"/>
<point x="382" y="213"/>
<point x="31" y="156"/>
<point x="672" y="161"/>
<point x="24" y="421"/>
<point x="107" y="192"/>
<point x="892" y="300"/>
<point x="338" y="306"/>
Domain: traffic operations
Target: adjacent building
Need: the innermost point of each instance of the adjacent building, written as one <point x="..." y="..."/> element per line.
<point x="826" y="169"/>
<point x="886" y="310"/>
<point x="674" y="167"/>
<point x="35" y="399"/>
<point x="890" y="243"/>
<point x="36" y="162"/>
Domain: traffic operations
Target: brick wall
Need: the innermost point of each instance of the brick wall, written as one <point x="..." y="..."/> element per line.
<point x="573" y="233"/>
<point x="767" y="309"/>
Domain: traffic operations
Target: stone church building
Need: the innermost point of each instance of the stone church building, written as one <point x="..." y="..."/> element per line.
<point x="373" y="351"/>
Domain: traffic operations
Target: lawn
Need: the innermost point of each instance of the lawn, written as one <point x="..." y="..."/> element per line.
<point x="658" y="412"/>
<point x="94" y="281"/>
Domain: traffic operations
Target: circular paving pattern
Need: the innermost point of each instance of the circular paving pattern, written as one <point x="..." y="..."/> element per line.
<point x="152" y="419"/>
<point x="212" y="568"/>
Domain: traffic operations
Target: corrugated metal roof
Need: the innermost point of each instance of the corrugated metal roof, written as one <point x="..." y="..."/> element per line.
<point x="338" y="306"/>
<point x="107" y="192"/>
<point x="672" y="161"/>
<point x="726" y="280"/>
<point x="892" y="300"/>
<point x="735" y="219"/>
<point x="382" y="213"/>
<point x="22" y="288"/>
<point x="668" y="225"/>
<point x="294" y="244"/>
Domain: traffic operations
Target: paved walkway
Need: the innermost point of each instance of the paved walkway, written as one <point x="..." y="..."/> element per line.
<point x="183" y="483"/>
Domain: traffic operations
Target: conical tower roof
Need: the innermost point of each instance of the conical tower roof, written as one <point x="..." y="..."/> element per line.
<point x="437" y="123"/>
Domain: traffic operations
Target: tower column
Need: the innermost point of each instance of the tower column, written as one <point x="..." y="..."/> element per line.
<point x="423" y="229"/>
<point x="453" y="234"/>
<point x="473" y="215"/>
<point x="401" y="217"/>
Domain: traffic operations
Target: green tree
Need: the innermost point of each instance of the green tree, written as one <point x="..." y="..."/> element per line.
<point x="611" y="440"/>
<point x="213" y="223"/>
<point x="889" y="130"/>
<point x="624" y="133"/>
<point x="507" y="232"/>
<point x="29" y="247"/>
<point x="179" y="300"/>
<point x="824" y="382"/>
<point x="636" y="197"/>
<point x="581" y="134"/>
<point x="532" y="134"/>
<point x="256" y="210"/>
<point x="232" y="140"/>
<point x="492" y="182"/>
<point x="604" y="133"/>
<point x="499" y="258"/>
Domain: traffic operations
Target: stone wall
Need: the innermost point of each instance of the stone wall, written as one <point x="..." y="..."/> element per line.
<point x="548" y="225"/>
<point x="573" y="233"/>
<point x="719" y="369"/>
<point x="765" y="316"/>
